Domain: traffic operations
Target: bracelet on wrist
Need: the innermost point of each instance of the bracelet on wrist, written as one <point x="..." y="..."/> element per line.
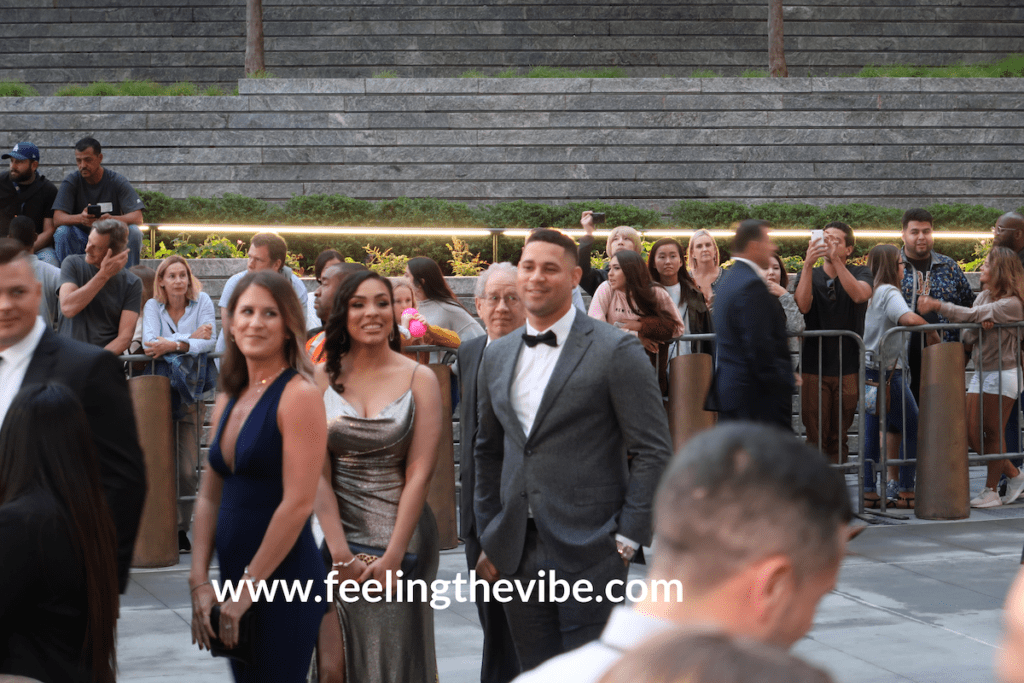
<point x="344" y="564"/>
<point x="200" y="585"/>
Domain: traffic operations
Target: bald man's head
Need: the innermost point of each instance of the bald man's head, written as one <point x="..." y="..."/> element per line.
<point x="1009" y="231"/>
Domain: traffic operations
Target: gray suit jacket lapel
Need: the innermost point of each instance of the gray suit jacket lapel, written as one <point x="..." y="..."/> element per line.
<point x="576" y="346"/>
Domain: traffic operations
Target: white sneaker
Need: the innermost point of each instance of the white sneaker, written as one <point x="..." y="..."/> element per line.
<point x="986" y="499"/>
<point x="1014" y="487"/>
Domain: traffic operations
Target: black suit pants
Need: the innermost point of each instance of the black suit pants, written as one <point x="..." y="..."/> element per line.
<point x="543" y="629"/>
<point x="500" y="663"/>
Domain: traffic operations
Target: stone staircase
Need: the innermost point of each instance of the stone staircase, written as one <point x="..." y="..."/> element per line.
<point x="50" y="43"/>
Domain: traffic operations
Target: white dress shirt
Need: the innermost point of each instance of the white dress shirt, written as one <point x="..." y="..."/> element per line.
<point x="627" y="629"/>
<point x="534" y="368"/>
<point x="14" y="363"/>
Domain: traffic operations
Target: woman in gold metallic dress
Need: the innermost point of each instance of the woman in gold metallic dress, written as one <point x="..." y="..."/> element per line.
<point x="384" y="423"/>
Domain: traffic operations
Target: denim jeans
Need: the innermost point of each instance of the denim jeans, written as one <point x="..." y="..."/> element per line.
<point x="48" y="255"/>
<point x="68" y="239"/>
<point x="899" y="395"/>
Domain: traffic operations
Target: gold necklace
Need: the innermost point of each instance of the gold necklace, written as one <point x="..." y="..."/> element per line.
<point x="262" y="384"/>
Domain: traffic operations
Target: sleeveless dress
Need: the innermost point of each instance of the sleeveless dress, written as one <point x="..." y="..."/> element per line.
<point x="284" y="633"/>
<point x="386" y="642"/>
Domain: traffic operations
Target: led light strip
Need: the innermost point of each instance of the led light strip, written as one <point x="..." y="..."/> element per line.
<point x="410" y="231"/>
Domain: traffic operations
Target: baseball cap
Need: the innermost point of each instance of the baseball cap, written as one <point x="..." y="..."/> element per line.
<point x="22" y="151"/>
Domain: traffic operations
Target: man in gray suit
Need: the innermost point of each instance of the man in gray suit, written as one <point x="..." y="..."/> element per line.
<point x="501" y="312"/>
<point x="561" y="406"/>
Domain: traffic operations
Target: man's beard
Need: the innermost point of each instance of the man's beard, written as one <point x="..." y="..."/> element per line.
<point x="22" y="178"/>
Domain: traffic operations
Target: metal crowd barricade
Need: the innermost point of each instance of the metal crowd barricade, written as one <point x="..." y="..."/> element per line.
<point x="978" y="458"/>
<point x="442" y="487"/>
<point x="849" y="466"/>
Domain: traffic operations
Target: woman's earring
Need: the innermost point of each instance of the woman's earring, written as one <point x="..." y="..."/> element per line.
<point x="391" y="336"/>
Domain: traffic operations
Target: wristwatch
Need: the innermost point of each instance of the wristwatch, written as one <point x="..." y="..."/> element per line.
<point x="177" y="346"/>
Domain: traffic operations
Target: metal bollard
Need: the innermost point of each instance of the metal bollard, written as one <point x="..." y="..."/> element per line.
<point x="157" y="542"/>
<point x="689" y="379"/>
<point x="943" y="481"/>
<point x="441" y="496"/>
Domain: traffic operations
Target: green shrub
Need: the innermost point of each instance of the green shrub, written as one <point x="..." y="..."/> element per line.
<point x="101" y="89"/>
<point x="703" y="73"/>
<point x="182" y="89"/>
<point x="754" y="73"/>
<point x="563" y="72"/>
<point x="327" y="209"/>
<point x="136" y="89"/>
<point x="388" y="73"/>
<point x="1011" y="66"/>
<point x="129" y="89"/>
<point x="16" y="89"/>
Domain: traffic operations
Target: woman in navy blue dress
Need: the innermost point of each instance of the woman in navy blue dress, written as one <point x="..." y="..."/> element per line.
<point x="257" y="495"/>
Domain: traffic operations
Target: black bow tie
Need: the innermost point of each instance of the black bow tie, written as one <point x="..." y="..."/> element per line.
<point x="549" y="338"/>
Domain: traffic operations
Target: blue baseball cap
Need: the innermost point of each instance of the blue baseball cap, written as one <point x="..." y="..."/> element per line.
<point x="22" y="151"/>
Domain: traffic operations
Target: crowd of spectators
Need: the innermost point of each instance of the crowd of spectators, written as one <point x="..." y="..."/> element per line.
<point x="752" y="522"/>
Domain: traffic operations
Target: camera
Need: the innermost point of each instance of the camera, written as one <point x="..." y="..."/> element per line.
<point x="99" y="209"/>
<point x="597" y="217"/>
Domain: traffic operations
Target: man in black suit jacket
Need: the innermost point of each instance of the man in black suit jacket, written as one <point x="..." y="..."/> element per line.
<point x="754" y="376"/>
<point x="501" y="311"/>
<point x="562" y="403"/>
<point x="32" y="354"/>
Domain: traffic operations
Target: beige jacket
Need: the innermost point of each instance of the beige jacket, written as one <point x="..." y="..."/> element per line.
<point x="995" y="344"/>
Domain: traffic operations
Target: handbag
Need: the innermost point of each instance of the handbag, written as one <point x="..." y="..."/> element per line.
<point x="871" y="387"/>
<point x="368" y="555"/>
<point x="242" y="652"/>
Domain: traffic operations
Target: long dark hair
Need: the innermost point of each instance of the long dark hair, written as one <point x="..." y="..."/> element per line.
<point x="337" y="340"/>
<point x="234" y="374"/>
<point x="640" y="293"/>
<point x="684" y="274"/>
<point x="783" y="275"/>
<point x="426" y="275"/>
<point x="884" y="262"/>
<point x="45" y="444"/>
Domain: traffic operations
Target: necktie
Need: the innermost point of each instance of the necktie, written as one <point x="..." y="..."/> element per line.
<point x="549" y="338"/>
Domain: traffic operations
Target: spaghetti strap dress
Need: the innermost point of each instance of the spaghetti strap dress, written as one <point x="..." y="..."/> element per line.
<point x="385" y="642"/>
<point x="284" y="633"/>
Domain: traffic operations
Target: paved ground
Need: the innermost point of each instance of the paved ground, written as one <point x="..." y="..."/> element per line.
<point x="916" y="601"/>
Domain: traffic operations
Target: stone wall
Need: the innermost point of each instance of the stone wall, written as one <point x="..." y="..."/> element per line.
<point x="53" y="42"/>
<point x="651" y="142"/>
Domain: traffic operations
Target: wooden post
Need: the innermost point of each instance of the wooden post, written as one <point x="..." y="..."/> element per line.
<point x="441" y="496"/>
<point x="157" y="542"/>
<point x="254" y="37"/>
<point x="689" y="380"/>
<point x="943" y="480"/>
<point x="776" y="46"/>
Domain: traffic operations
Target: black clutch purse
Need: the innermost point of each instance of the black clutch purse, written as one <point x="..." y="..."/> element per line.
<point x="369" y="555"/>
<point x="242" y="652"/>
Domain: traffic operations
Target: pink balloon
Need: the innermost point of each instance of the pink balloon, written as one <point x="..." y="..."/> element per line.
<point x="416" y="328"/>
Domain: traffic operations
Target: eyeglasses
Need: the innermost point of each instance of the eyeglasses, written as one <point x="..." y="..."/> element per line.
<point x="510" y="300"/>
<point x="998" y="229"/>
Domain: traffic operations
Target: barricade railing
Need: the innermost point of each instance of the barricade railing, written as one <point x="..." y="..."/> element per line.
<point x="921" y="330"/>
<point x="849" y="466"/>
